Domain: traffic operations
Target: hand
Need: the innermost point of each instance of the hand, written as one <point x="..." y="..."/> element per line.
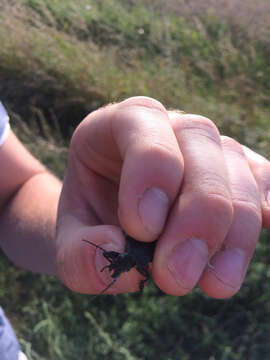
<point x="166" y="175"/>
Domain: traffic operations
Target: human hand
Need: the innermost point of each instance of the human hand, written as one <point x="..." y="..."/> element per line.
<point x="164" y="175"/>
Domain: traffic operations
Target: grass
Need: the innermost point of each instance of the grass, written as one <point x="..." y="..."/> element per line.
<point x="54" y="323"/>
<point x="61" y="59"/>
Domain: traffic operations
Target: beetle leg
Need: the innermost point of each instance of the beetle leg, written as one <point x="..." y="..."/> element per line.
<point x="108" y="286"/>
<point x="143" y="271"/>
<point x="142" y="284"/>
<point x="106" y="267"/>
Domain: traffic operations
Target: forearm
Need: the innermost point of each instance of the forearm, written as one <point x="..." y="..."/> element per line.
<point x="28" y="224"/>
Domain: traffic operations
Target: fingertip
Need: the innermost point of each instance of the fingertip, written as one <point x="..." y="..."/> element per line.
<point x="265" y="203"/>
<point x="216" y="289"/>
<point x="266" y="218"/>
<point x="76" y="258"/>
<point x="178" y="272"/>
<point x="126" y="282"/>
<point x="152" y="209"/>
<point x="81" y="262"/>
<point x="224" y="274"/>
<point x="145" y="198"/>
<point x="150" y="181"/>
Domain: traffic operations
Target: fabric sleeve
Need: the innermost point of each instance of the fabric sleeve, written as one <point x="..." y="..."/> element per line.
<point x="4" y="124"/>
<point x="9" y="346"/>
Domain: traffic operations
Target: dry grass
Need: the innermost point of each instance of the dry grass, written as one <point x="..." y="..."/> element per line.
<point x="52" y="65"/>
<point x="248" y="17"/>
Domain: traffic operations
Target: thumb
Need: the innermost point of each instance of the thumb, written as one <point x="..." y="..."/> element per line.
<point x="79" y="263"/>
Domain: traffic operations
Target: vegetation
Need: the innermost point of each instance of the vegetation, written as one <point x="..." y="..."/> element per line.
<point x="61" y="59"/>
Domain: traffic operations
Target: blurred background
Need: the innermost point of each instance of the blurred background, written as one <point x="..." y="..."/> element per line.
<point x="59" y="60"/>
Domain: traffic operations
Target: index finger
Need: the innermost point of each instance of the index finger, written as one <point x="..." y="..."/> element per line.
<point x="132" y="143"/>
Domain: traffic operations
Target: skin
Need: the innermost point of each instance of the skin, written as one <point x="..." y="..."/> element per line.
<point x="29" y="197"/>
<point x="157" y="174"/>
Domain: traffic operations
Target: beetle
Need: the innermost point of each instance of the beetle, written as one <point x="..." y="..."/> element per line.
<point x="137" y="254"/>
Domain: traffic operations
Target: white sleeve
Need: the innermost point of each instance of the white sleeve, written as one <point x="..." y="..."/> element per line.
<point x="4" y="124"/>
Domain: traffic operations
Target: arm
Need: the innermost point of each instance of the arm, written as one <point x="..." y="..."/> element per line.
<point x="29" y="197"/>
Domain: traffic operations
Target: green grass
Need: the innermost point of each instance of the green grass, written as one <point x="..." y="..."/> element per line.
<point x="61" y="59"/>
<point x="54" y="323"/>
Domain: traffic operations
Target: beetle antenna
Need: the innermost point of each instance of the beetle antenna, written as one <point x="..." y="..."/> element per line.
<point x="104" y="290"/>
<point x="108" y="286"/>
<point x="93" y="244"/>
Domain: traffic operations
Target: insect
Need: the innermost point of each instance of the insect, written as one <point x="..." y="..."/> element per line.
<point x="136" y="255"/>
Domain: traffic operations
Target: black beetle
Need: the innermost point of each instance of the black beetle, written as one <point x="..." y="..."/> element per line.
<point x="136" y="255"/>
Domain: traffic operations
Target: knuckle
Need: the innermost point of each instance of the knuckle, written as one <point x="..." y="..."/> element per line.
<point x="80" y="135"/>
<point x="232" y="145"/>
<point x="198" y="124"/>
<point x="175" y="114"/>
<point x="251" y="209"/>
<point x="227" y="140"/>
<point x="212" y="184"/>
<point x="144" y="102"/>
<point x="203" y="121"/>
<point x="76" y="137"/>
<point x="218" y="206"/>
<point x="165" y="149"/>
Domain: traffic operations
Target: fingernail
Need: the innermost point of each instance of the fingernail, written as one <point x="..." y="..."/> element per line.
<point x="153" y="209"/>
<point x="188" y="261"/>
<point x="229" y="266"/>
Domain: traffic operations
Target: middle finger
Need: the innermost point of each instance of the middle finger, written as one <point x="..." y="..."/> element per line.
<point x="202" y="215"/>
